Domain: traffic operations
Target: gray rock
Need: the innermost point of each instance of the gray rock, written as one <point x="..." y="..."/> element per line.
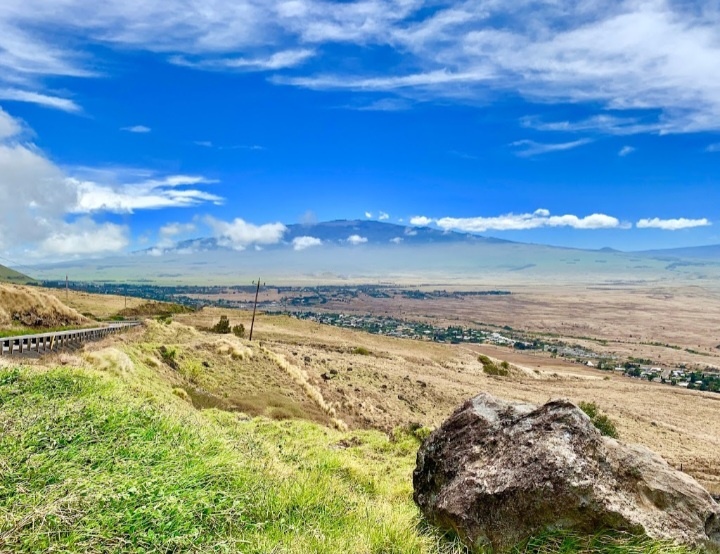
<point x="497" y="473"/>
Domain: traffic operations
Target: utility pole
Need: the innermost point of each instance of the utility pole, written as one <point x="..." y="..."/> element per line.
<point x="257" y="291"/>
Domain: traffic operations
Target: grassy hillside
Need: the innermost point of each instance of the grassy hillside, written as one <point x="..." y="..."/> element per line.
<point x="8" y="275"/>
<point x="110" y="460"/>
<point x="171" y="439"/>
<point x="25" y="309"/>
<point x="92" y="464"/>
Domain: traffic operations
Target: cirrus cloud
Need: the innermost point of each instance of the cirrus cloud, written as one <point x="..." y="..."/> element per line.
<point x="656" y="57"/>
<point x="148" y="194"/>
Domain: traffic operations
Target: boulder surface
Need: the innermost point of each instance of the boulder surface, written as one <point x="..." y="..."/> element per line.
<point x="497" y="473"/>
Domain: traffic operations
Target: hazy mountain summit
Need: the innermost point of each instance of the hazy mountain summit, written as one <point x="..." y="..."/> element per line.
<point x="343" y="232"/>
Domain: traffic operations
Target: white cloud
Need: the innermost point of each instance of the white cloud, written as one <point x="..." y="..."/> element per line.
<point x="532" y="148"/>
<point x="603" y="123"/>
<point x="239" y="234"/>
<point x="356" y="239"/>
<point x="278" y="60"/>
<point x="45" y="100"/>
<point x="625" y="150"/>
<point x="149" y="194"/>
<point x="84" y="237"/>
<point x="137" y="129"/>
<point x="538" y="219"/>
<point x="9" y="126"/>
<point x="204" y="143"/>
<point x="301" y="243"/>
<point x="383" y="216"/>
<point x="420" y="221"/>
<point x="34" y="196"/>
<point x="368" y="215"/>
<point x="383" y="105"/>
<point x="170" y="231"/>
<point x="713" y="147"/>
<point x="658" y="56"/>
<point x="672" y="224"/>
<point x="309" y="218"/>
<point x="428" y="80"/>
<point x="174" y="229"/>
<point x="396" y="240"/>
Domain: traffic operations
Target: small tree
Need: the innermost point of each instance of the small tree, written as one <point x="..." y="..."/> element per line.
<point x="222" y="326"/>
<point x="239" y="331"/>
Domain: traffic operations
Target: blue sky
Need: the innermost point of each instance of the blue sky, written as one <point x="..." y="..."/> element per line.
<point x="583" y="124"/>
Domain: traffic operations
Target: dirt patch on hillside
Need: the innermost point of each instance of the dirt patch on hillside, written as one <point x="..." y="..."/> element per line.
<point x="33" y="308"/>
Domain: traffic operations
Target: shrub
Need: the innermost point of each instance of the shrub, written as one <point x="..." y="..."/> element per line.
<point x="362" y="351"/>
<point x="239" y="331"/>
<point x="168" y="356"/>
<point x="602" y="422"/>
<point x="222" y="327"/>
<point x="491" y="368"/>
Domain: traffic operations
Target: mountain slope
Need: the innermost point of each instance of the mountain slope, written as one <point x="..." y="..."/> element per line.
<point x="709" y="252"/>
<point x="11" y="276"/>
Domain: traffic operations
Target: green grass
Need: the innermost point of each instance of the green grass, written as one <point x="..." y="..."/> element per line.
<point x="361" y="351"/>
<point x="88" y="466"/>
<point x="491" y="368"/>
<point x="93" y="462"/>
<point x="563" y="542"/>
<point x="602" y="422"/>
<point x="8" y="275"/>
<point x="19" y="331"/>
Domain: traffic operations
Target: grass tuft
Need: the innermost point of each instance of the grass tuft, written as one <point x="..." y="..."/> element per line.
<point x="601" y="421"/>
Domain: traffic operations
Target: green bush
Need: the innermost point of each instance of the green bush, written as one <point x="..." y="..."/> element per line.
<point x="603" y="423"/>
<point x="362" y="351"/>
<point x="221" y="327"/>
<point x="491" y="368"/>
<point x="239" y="331"/>
<point x="168" y="356"/>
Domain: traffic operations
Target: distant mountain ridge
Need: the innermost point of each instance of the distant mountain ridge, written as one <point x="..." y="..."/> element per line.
<point x="339" y="231"/>
<point x="709" y="252"/>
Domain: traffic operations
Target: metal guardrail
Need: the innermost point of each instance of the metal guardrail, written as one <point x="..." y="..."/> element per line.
<point x="44" y="342"/>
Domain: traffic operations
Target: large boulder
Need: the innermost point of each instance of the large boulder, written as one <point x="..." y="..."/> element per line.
<point x="497" y="473"/>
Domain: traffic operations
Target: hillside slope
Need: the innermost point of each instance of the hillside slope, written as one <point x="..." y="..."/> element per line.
<point x="105" y="454"/>
<point x="8" y="275"/>
<point x="34" y="308"/>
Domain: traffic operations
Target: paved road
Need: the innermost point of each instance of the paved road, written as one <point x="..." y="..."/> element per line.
<point x="57" y="340"/>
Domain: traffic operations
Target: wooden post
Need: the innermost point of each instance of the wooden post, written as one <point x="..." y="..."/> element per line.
<point x="252" y="324"/>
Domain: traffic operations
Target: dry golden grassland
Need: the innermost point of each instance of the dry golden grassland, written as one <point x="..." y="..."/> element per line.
<point x="101" y="306"/>
<point x="624" y="319"/>
<point x="32" y="307"/>
<point x="396" y="381"/>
